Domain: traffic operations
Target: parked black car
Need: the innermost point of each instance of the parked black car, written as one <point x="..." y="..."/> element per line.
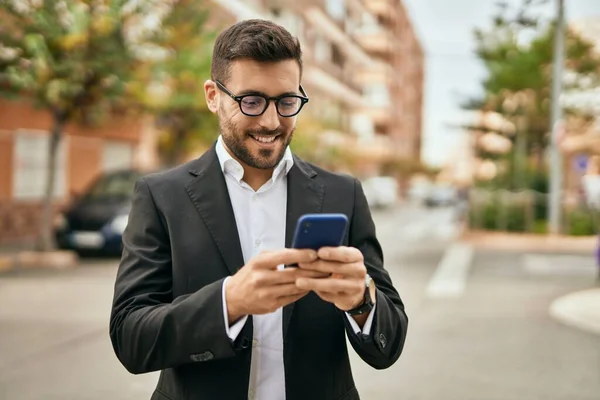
<point x="95" y="221"/>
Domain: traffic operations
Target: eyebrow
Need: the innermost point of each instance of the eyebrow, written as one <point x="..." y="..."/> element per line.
<point x="251" y="91"/>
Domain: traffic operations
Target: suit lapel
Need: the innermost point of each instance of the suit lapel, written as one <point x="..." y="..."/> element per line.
<point x="208" y="192"/>
<point x="305" y="194"/>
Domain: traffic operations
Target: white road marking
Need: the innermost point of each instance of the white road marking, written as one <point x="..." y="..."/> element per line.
<point x="541" y="264"/>
<point x="452" y="272"/>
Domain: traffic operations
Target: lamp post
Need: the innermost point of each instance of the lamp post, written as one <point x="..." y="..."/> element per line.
<point x="556" y="178"/>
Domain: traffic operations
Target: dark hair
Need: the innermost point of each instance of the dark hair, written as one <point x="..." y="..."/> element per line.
<point x="253" y="39"/>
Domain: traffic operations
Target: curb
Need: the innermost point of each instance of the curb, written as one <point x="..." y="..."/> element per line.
<point x="580" y="310"/>
<point x="7" y="264"/>
<point x="530" y="242"/>
<point x="29" y="260"/>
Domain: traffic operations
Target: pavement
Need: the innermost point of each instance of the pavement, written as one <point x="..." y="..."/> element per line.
<point x="481" y="324"/>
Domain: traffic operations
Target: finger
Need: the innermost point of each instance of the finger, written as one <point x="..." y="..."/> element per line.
<point x="352" y="270"/>
<point x="270" y="260"/>
<point x="333" y="286"/>
<point x="302" y="273"/>
<point x="264" y="278"/>
<point x="288" y="289"/>
<point x="341" y="254"/>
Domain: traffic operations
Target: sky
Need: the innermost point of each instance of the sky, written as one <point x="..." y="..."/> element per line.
<point x="451" y="70"/>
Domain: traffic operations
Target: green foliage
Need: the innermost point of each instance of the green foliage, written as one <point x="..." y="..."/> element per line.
<point x="517" y="52"/>
<point x="528" y="216"/>
<point x="406" y="167"/>
<point x="581" y="223"/>
<point x="70" y="57"/>
<point x="309" y="143"/>
<point x="494" y="216"/>
<point x="172" y="87"/>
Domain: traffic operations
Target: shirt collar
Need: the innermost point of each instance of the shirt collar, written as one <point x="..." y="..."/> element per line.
<point x="231" y="166"/>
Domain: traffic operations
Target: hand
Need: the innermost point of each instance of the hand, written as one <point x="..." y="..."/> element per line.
<point x="259" y="288"/>
<point x="345" y="288"/>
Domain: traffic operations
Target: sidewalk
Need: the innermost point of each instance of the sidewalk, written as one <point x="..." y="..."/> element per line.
<point x="579" y="310"/>
<point x="15" y="258"/>
<point x="531" y="242"/>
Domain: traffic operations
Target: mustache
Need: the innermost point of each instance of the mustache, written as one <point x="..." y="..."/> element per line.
<point x="265" y="132"/>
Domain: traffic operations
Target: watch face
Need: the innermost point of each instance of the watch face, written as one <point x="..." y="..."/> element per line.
<point x="370" y="292"/>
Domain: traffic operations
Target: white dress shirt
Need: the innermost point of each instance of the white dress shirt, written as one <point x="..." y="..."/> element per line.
<point x="261" y="218"/>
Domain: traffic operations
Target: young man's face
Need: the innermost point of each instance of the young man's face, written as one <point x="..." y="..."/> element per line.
<point x="259" y="142"/>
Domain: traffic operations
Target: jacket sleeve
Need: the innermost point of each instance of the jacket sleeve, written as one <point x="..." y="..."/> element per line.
<point x="149" y="329"/>
<point x="383" y="346"/>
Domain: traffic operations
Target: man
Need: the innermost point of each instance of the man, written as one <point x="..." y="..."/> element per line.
<point x="202" y="293"/>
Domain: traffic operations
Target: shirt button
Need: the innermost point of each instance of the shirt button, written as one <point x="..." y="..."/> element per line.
<point x="254" y="343"/>
<point x="257" y="242"/>
<point x="251" y="394"/>
<point x="255" y="197"/>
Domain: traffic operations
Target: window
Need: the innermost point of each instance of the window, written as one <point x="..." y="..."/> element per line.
<point x="113" y="185"/>
<point x="276" y="12"/>
<point x="117" y="155"/>
<point x="337" y="57"/>
<point x="293" y="23"/>
<point x="336" y="9"/>
<point x="255" y="4"/>
<point x="362" y="126"/>
<point x="322" y="50"/>
<point x="377" y="94"/>
<point x="30" y="166"/>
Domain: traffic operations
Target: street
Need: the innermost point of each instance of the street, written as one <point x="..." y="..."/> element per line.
<point x="478" y="330"/>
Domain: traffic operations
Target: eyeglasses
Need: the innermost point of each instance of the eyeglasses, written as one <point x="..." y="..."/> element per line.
<point x="255" y="104"/>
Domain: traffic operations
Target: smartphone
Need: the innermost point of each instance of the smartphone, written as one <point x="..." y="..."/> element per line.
<point x="314" y="231"/>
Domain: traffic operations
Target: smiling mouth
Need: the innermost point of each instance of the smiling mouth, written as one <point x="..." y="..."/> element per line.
<point x="264" y="139"/>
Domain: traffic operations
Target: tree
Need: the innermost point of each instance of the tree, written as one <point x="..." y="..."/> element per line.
<point x="172" y="88"/>
<point x="72" y="58"/>
<point x="517" y="52"/>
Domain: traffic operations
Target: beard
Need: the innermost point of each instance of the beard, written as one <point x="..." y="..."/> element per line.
<point x="239" y="142"/>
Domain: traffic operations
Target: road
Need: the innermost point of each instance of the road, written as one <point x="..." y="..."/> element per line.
<point x="486" y="334"/>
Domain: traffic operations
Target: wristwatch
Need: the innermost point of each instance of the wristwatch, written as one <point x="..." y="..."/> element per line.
<point x="367" y="303"/>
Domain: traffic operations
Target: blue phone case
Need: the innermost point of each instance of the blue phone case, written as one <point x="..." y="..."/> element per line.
<point x="314" y="231"/>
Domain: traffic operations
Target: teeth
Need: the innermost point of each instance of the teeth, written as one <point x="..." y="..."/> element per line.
<point x="264" y="139"/>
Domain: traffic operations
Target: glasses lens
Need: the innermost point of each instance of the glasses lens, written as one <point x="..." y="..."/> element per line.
<point x="253" y="105"/>
<point x="289" y="105"/>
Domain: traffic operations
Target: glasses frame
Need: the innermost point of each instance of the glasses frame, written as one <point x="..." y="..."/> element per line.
<point x="303" y="100"/>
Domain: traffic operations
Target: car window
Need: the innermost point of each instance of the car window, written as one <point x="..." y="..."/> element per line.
<point x="113" y="186"/>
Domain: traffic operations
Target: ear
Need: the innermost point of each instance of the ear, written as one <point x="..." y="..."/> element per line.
<point x="211" y="93"/>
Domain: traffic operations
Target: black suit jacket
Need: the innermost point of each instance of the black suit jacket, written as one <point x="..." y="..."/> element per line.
<point x="182" y="242"/>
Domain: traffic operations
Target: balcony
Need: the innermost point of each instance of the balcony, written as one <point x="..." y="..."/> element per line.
<point x="382" y="9"/>
<point x="325" y="82"/>
<point x="378" y="101"/>
<point x="332" y="31"/>
<point x="375" y="40"/>
<point x="379" y="72"/>
<point x="380" y="115"/>
<point x="238" y="9"/>
<point x="344" y="76"/>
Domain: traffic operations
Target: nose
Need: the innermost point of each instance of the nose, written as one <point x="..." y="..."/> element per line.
<point x="270" y="119"/>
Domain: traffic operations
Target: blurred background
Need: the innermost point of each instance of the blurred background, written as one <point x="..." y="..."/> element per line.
<point x="473" y="126"/>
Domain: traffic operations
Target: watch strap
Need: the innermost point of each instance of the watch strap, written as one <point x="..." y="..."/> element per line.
<point x="367" y="303"/>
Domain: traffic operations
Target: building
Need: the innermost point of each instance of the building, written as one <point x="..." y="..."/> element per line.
<point x="364" y="69"/>
<point x="363" y="73"/>
<point x="82" y="155"/>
